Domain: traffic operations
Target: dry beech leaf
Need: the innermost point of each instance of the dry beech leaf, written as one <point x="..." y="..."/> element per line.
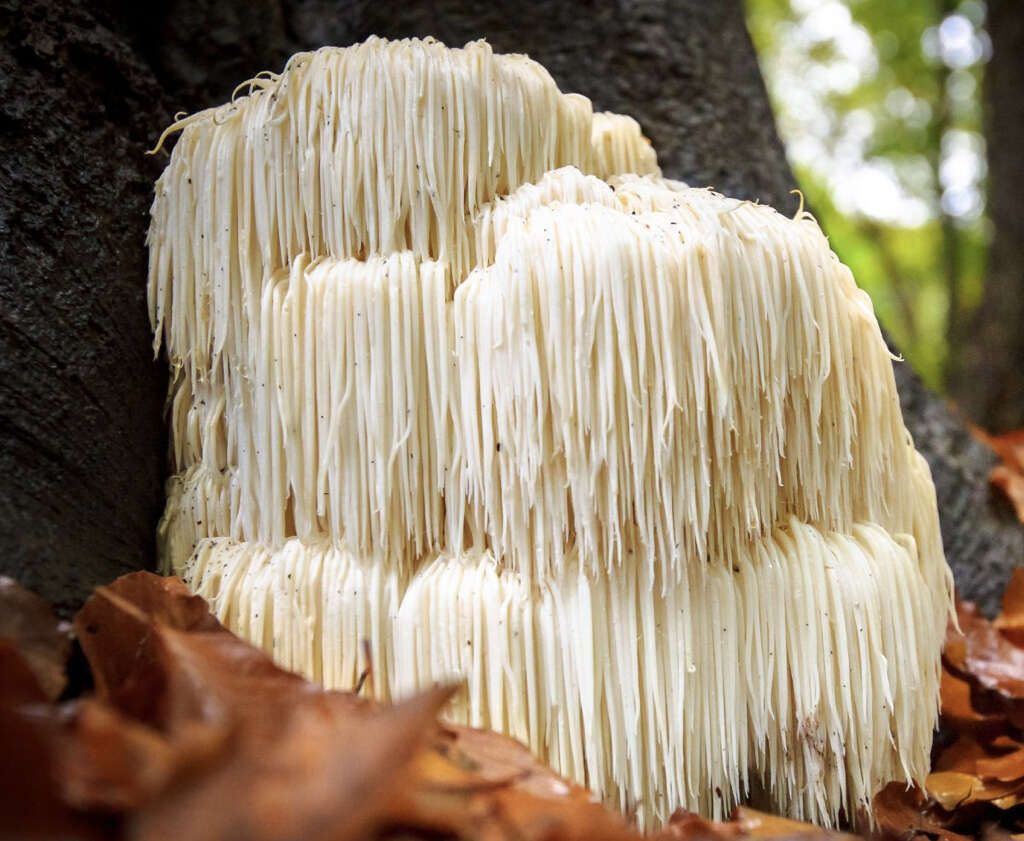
<point x="1011" y="621"/>
<point x="690" y="827"/>
<point x="903" y="813"/>
<point x="131" y="668"/>
<point x="954" y="650"/>
<point x="989" y="661"/>
<point x="324" y="776"/>
<point x="1011" y="483"/>
<point x="194" y="733"/>
<point x="748" y="823"/>
<point x="962" y="756"/>
<point x="18" y="681"/>
<point x="479" y="784"/>
<point x="108" y="762"/>
<point x="1005" y="768"/>
<point x="243" y="749"/>
<point x="1009" y="447"/>
<point x="958" y="710"/>
<point x="995" y="662"/>
<point x="34" y="648"/>
<point x="978" y="778"/>
<point x="984" y="656"/>
<point x="952" y="789"/>
<point x="755" y="824"/>
<point x="31" y="805"/>
<point x="30" y="625"/>
<point x="494" y="757"/>
<point x="1008" y="476"/>
<point x="1005" y="744"/>
<point x="247" y="750"/>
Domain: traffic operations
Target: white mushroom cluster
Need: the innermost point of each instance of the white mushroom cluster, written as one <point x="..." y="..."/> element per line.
<point x="457" y="372"/>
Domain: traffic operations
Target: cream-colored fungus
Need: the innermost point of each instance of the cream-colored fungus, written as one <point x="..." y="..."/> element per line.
<point x="455" y="370"/>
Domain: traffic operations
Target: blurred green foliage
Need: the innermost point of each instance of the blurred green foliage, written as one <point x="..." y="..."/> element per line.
<point x="879" y="104"/>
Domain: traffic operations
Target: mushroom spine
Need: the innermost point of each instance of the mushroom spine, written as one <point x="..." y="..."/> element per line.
<point x="455" y="370"/>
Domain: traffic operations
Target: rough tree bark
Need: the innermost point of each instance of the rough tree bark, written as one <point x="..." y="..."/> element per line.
<point x="81" y="432"/>
<point x="72" y="175"/>
<point x="991" y="389"/>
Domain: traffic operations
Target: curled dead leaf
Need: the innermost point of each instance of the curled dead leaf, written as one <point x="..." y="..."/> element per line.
<point x="1009" y="475"/>
<point x="1011" y="483"/>
<point x="953" y="790"/>
<point x="692" y="827"/>
<point x="1006" y="768"/>
<point x="110" y="763"/>
<point x="1010" y="621"/>
<point x="756" y="824"/>
<point x="958" y="706"/>
<point x="746" y="822"/>
<point x="194" y="733"/>
<point x="983" y="656"/>
<point x="961" y="756"/>
<point x="903" y="813"/>
<point x="470" y="779"/>
<point x="29" y="624"/>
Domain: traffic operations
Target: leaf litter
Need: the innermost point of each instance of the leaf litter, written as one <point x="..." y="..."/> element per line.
<point x="190" y="732"/>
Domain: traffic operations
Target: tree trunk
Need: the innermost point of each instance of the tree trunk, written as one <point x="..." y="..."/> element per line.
<point x="684" y="68"/>
<point x="991" y="391"/>
<point x="82" y="440"/>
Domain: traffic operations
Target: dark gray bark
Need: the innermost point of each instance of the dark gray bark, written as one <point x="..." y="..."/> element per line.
<point x="81" y="434"/>
<point x="684" y="68"/>
<point x="991" y="389"/>
<point x="982" y="537"/>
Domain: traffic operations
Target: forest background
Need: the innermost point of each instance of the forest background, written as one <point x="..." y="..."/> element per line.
<point x="904" y="124"/>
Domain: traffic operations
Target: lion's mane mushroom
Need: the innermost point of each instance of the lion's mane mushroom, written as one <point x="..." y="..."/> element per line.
<point x="457" y="372"/>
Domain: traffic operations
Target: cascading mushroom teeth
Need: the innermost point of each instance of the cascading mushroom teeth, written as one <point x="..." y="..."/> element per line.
<point x="459" y="373"/>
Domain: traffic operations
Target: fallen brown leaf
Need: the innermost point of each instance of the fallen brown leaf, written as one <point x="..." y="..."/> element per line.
<point x="756" y="824"/>
<point x="194" y="733"/>
<point x="1011" y="483"/>
<point x="995" y="662"/>
<point x="1011" y="621"/>
<point x="746" y="822"/>
<point x="958" y="710"/>
<point x="954" y="649"/>
<point x="31" y="805"/>
<point x="29" y="624"/>
<point x="953" y="789"/>
<point x="247" y="750"/>
<point x="1008" y="476"/>
<point x="983" y="656"/>
<point x="326" y="776"/>
<point x="478" y="784"/>
<point x="692" y="827"/>
<point x="962" y="756"/>
<point x="110" y="763"/>
<point x="905" y="814"/>
<point x="1009" y="447"/>
<point x="131" y="666"/>
<point x="1005" y="768"/>
<point x="977" y="783"/>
